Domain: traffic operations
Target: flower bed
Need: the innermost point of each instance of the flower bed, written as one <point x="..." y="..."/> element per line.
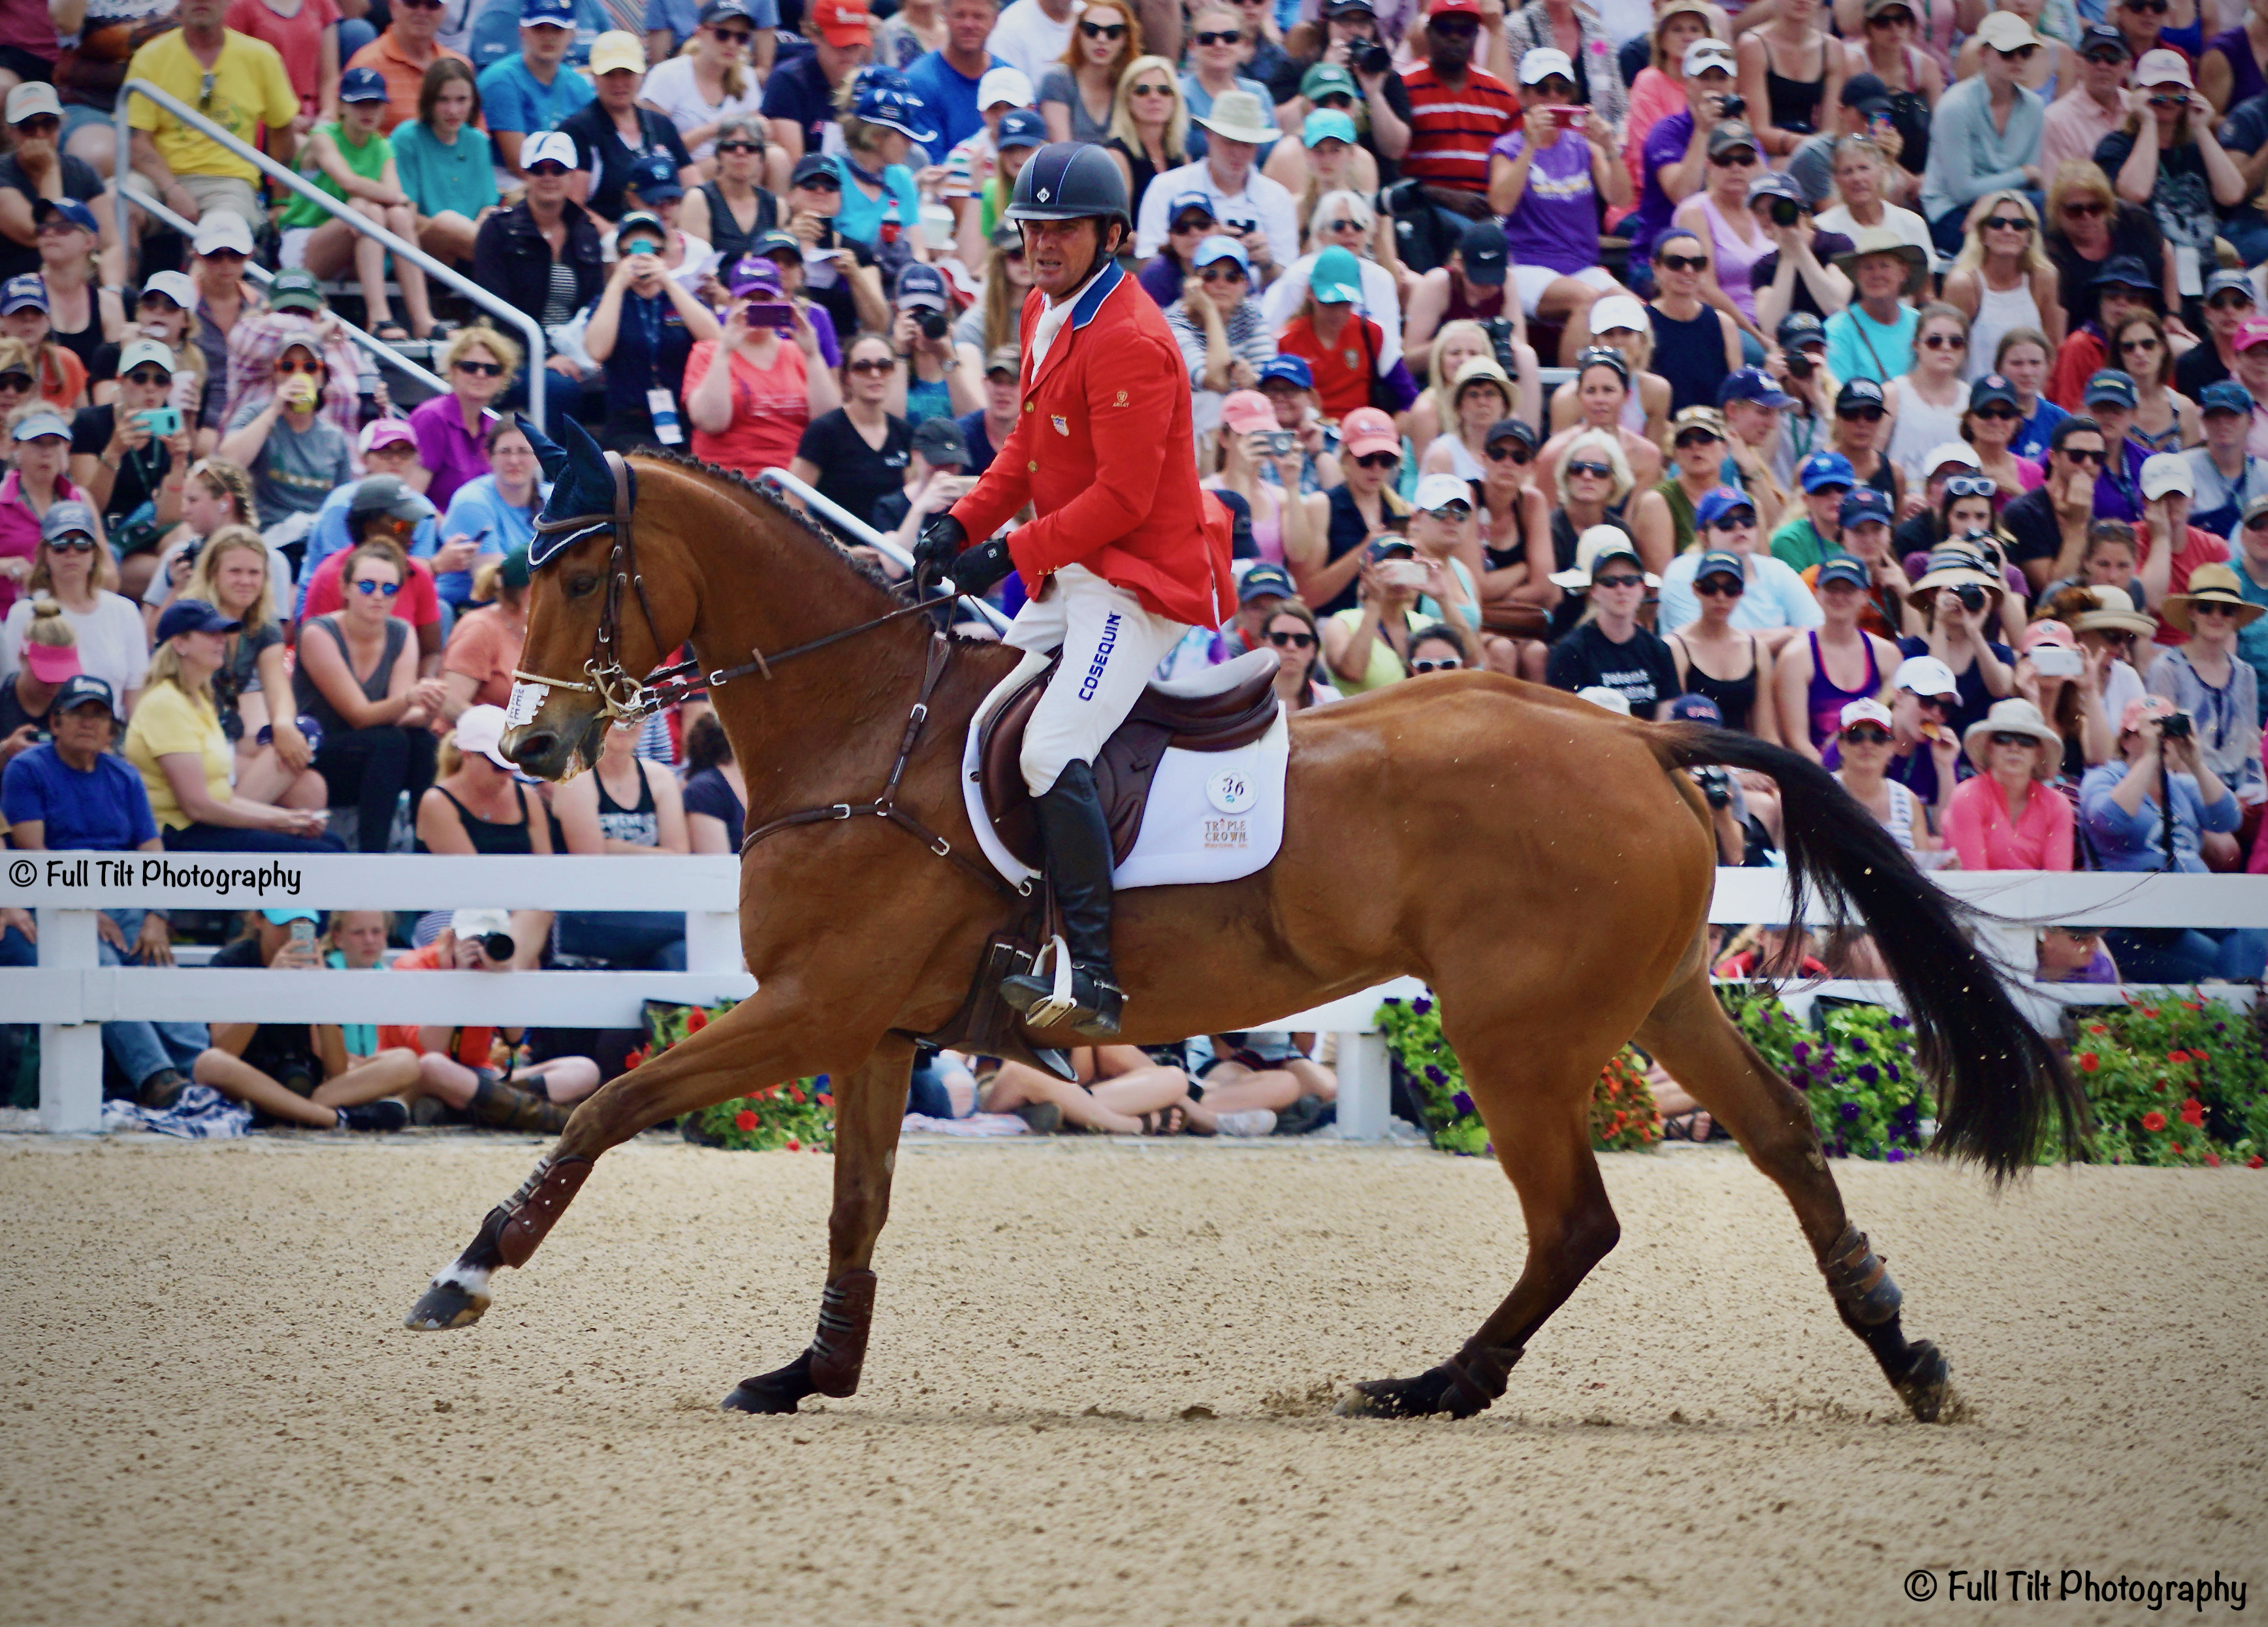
<point x="1622" y="1116"/>
<point x="2173" y="1082"/>
<point x="1868" y="1094"/>
<point x="794" y="1118"/>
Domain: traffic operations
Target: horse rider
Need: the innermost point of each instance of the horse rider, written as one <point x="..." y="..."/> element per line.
<point x="1125" y="555"/>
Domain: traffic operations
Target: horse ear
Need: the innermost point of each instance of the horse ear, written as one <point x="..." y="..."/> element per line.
<point x="582" y="485"/>
<point x="550" y="456"/>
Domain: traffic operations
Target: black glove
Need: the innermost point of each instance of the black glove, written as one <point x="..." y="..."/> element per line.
<point x="981" y="566"/>
<point x="940" y="543"/>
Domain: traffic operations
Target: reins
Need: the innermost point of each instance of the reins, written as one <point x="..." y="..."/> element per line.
<point x="625" y="699"/>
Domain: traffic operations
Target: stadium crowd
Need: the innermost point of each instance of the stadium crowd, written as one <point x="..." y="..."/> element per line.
<point x="1889" y="380"/>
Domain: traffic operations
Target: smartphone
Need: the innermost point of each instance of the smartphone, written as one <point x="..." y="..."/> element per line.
<point x="303" y="930"/>
<point x="161" y="421"/>
<point x="2055" y="661"/>
<point x="771" y="314"/>
<point x="1402" y="573"/>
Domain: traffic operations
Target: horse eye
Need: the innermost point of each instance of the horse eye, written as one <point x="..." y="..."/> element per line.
<point x="582" y="586"/>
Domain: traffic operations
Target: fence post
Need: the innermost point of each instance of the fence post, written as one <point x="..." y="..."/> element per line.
<point x="1365" y="1087"/>
<point x="712" y="940"/>
<point x="70" y="1052"/>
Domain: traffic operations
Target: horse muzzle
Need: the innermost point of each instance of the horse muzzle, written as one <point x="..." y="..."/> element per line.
<point x="557" y="749"/>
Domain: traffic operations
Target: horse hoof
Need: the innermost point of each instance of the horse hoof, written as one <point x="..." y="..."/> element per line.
<point x="772" y="1393"/>
<point x="1393" y="1398"/>
<point x="1926" y="1385"/>
<point x="445" y="1305"/>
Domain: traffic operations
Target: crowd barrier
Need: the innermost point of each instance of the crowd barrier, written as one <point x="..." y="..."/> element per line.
<point x="70" y="994"/>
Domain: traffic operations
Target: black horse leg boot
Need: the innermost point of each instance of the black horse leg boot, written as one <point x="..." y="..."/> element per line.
<point x="1077" y="841"/>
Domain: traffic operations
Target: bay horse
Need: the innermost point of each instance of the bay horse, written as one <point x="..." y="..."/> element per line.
<point x="1541" y="863"/>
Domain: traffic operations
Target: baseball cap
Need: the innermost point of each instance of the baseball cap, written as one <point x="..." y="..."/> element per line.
<point x="1454" y="8"/>
<point x="2048" y="632"/>
<point x="1214" y="248"/>
<point x="2101" y="36"/>
<point x="941" y="441"/>
<point x="1009" y="87"/>
<point x="1843" y="568"/>
<point x="1926" y="674"/>
<point x="389" y="494"/>
<point x="173" y="285"/>
<point x="547" y="13"/>
<point x="1865" y="92"/>
<point x="1594" y="548"/>
<point x="2167" y="471"/>
<point x="1990" y="388"/>
<point x="1721" y="561"/>
<point x="815" y="166"/>
<point x="1797" y="329"/>
<point x="2142" y="708"/>
<point x="2124" y="271"/>
<point x="1326" y="124"/>
<point x="919" y="284"/>
<point x="385" y="432"/>
<point x="1858" y="393"/>
<point x="1720" y="503"/>
<point x="70" y="208"/>
<point x="480" y="732"/>
<point x="1483" y="249"/>
<point x="1948" y="455"/>
<point x="551" y="147"/>
<point x="1706" y="52"/>
<point x="1867" y="710"/>
<point x="1335" y="278"/>
<point x="2163" y="67"/>
<point x="223" y="229"/>
<point x="654" y="178"/>
<point x="1752" y="384"/>
<point x="1777" y="184"/>
<point x="616" y="50"/>
<point x="41" y="425"/>
<point x="2231" y="283"/>
<point x="143" y="352"/>
<point x="1005" y="359"/>
<point x="284" y="918"/>
<point x="1543" y="63"/>
<point x="1731" y="135"/>
<point x="294" y="290"/>
<point x="2005" y="31"/>
<point x="357" y="85"/>
<point x="642" y="220"/>
<point x="1822" y="469"/>
<point x="1185" y="202"/>
<point x="2110" y="386"/>
<point x="192" y="615"/>
<point x="843" y="22"/>
<point x="1619" y="310"/>
<point x="1435" y="492"/>
<point x="752" y="274"/>
<point x="78" y="688"/>
<point x="1292" y="369"/>
<point x="1020" y="127"/>
<point x="1362" y="432"/>
<point x="1336" y="8"/>
<point x="65" y="518"/>
<point x="479" y="922"/>
<point x="1511" y="428"/>
<point x="1327" y="79"/>
<point x="777" y="242"/>
<point x="31" y="98"/>
<point x="1707" y="420"/>
<point x="1864" y="504"/>
<point x="27" y="292"/>
<point x="2249" y="332"/>
<point x="894" y="104"/>
<point x="1244" y="411"/>
<point x="1695" y="708"/>
<point x="718" y="11"/>
<point x="1265" y="580"/>
<point x="2225" y="395"/>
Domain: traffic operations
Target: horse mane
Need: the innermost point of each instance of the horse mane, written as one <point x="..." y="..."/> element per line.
<point x="810" y="526"/>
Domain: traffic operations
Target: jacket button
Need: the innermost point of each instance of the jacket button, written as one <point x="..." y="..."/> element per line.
<point x="1028" y="406"/>
<point x="1032" y="468"/>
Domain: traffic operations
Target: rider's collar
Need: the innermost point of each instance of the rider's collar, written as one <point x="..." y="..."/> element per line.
<point x="1088" y="297"/>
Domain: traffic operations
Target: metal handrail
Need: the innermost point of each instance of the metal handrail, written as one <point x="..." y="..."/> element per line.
<point x="843" y="520"/>
<point x="530" y="330"/>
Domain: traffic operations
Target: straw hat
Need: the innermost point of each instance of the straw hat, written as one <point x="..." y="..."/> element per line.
<point x="1883" y="240"/>
<point x="2015" y="716"/>
<point x="2211" y="584"/>
<point x="1952" y="567"/>
<point x="1236" y="115"/>
<point x="2113" y="608"/>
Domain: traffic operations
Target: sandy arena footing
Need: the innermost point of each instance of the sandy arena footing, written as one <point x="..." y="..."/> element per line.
<point x="1096" y="1393"/>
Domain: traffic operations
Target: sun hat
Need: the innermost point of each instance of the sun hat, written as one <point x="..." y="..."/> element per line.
<point x="1020" y="127"/>
<point x="1543" y="63"/>
<point x="68" y="517"/>
<point x="1696" y="418"/>
<point x="1004" y="86"/>
<point x="1867" y="710"/>
<point x="1862" y="504"/>
<point x="1326" y="124"/>
<point x="1865" y="92"/>
<point x="1952" y="567"/>
<point x="1335" y="278"/>
<point x="1484" y="369"/>
<point x="1601" y="696"/>
<point x="919" y="285"/>
<point x="2048" y="632"/>
<point x="2163" y="67"/>
<point x="284" y="918"/>
<point x="2225" y="395"/>
<point x="1367" y="429"/>
<point x="2015" y="716"/>
<point x="2124" y="271"/>
<point x="1265" y="579"/>
<point x="654" y="178"/>
<point x="70" y="208"/>
<point x="1884" y="240"/>
<point x="1822" y="469"/>
<point x="2005" y="31"/>
<point x="1185" y="202"/>
<point x="192" y="615"/>
<point x="1844" y="568"/>
<point x="1236" y="115"/>
<point x="1715" y="505"/>
<point x="1004" y="358"/>
<point x="2211" y="584"/>
<point x="1926" y="674"/>
<point x="1246" y="411"/>
<point x="1435" y="492"/>
<point x="810" y="168"/>
<point x="2103" y="34"/>
<point x="1594" y="548"/>
<point x="752" y="274"/>
<point x="480" y="731"/>
<point x="2114" y="609"/>
<point x="2231" y="283"/>
<point x="1618" y="312"/>
<point x="513" y="572"/>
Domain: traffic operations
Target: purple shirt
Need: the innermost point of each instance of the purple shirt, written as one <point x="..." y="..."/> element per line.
<point x="1556" y="224"/>
<point x="1665" y="144"/>
<point x="445" y="447"/>
<point x="2118" y="495"/>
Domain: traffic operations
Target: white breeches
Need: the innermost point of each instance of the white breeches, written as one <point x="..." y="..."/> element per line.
<point x="1111" y="645"/>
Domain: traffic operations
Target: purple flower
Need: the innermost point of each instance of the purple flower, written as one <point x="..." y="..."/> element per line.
<point x="1858" y="1043"/>
<point x="1869" y="1074"/>
<point x="1392" y="999"/>
<point x="1421" y="1005"/>
<point x="1462" y="1102"/>
<point x="1802" y="1053"/>
<point x="1890" y="1072"/>
<point x="1488" y="1147"/>
<point x="1893" y="1157"/>
<point x="1900" y="1022"/>
<point x="1850" y="1112"/>
<point x="1435" y="1074"/>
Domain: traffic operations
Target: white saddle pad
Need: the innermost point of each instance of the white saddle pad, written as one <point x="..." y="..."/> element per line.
<point x="1211" y="815"/>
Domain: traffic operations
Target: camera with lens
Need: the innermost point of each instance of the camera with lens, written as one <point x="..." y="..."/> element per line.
<point x="1971" y="597"/>
<point x="1799" y="364"/>
<point x="1716" y="786"/>
<point x="932" y="324"/>
<point x="2173" y="726"/>
<point x="1500" y="332"/>
<point x="1369" y="58"/>
<point x="1731" y="106"/>
<point x="1783" y="211"/>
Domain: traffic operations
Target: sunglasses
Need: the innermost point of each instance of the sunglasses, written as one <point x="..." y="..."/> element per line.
<point x="79" y="542"/>
<point x="39" y="124"/>
<point x="1102" y="31"/>
<point x="2022" y="54"/>
<point x="1454" y="29"/>
<point x="1618" y="580"/>
<point x="549" y="169"/>
<point x="1866" y="735"/>
<point x="1891" y="20"/>
<point x="2083" y="209"/>
<point x="733" y="36"/>
<point x="2156" y="7"/>
<point x="1498" y="453"/>
<point x="1198" y="223"/>
<point x="2104" y="58"/>
<point x="1685" y="262"/>
<point x="1944" y="341"/>
<point x="2024" y="741"/>
<point x="1720" y="586"/>
<point x="1152" y="90"/>
<point x="149" y="378"/>
<point x="1743" y="159"/>
<point x="366" y="587"/>
<point x="2169" y="101"/>
<point x="1220" y="36"/>
<point x="15" y="381"/>
<point x="1733" y="521"/>
<point x="422" y="5"/>
<point x="1379" y="460"/>
<point x="2008" y="223"/>
<point x="1584" y="466"/>
<point x="817" y="183"/>
<point x="738" y="146"/>
<point x="2138" y="344"/>
<point x="1702" y="438"/>
<point x="872" y="366"/>
<point x="1293" y="641"/>
<point x="1218" y="273"/>
<point x="1455" y="514"/>
<point x="1338" y="99"/>
<point x="1997" y="412"/>
<point x="483" y="370"/>
<point x="309" y="369"/>
<point x="1447" y="664"/>
<point x="2082" y="455"/>
<point x="1869" y="415"/>
<point x="2228" y="301"/>
<point x="1344" y="225"/>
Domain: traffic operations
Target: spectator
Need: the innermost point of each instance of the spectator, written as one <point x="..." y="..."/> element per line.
<point x="1150" y="136"/>
<point x="542" y="255"/>
<point x="1696" y="343"/>
<point x="1864" y="736"/>
<point x="2206" y="680"/>
<point x="855" y="455"/>
<point x="1301" y="679"/>
<point x="387" y="448"/>
<point x="36" y="171"/>
<point x="476" y="805"/>
<point x="480" y="364"/>
<point x="611" y="131"/>
<point x="1928" y="403"/>
<point x="1551" y="220"/>
<point x="167" y="312"/>
<point x="1608" y="648"/>
<point x="644" y="326"/>
<point x="1352" y="516"/>
<point x="47" y="658"/>
<point x="2002" y="281"/>
<point x="1826" y="478"/>
<point x="176" y="741"/>
<point x="215" y="493"/>
<point x="2109" y="399"/>
<point x="250" y="691"/>
<point x="1792" y="106"/>
<point x="1079" y="92"/>
<point x="1894" y="86"/>
<point x="2164" y="420"/>
<point x="1396" y="593"/>
<point x="936" y="479"/>
<point x="2227" y="475"/>
<point x="1775" y="603"/>
<point x="1255" y="210"/>
<point x="946" y="80"/>
<point x="356" y="940"/>
<point x="295" y="457"/>
<point x="131" y="476"/>
<point x="296" y="313"/>
<point x="1217" y="41"/>
<point x="42" y="444"/>
<point x="307" y="40"/>
<point x="1441" y="529"/>
<point x="1457" y="111"/>
<point x="484" y="645"/>
<point x="2074" y="953"/>
<point x="2007" y="818"/>
<point x="1865" y="176"/>
<point x="532" y="91"/>
<point x="1622" y="323"/>
<point x="1658" y="90"/>
<point x="1955" y="629"/>
<point x="1443" y="647"/>
<point x="221" y="247"/>
<point x="2166" y="155"/>
<point x="1872" y="337"/>
<point x="2229" y="302"/>
<point x="1865" y="518"/>
<point x="358" y="678"/>
<point x="1464" y="293"/>
<point x="933" y="383"/>
<point x="799" y="96"/>
<point x="901" y="39"/>
<point x="1225" y="338"/>
<point x="1740" y="689"/>
<point x="1341" y="218"/>
<point x="349" y="161"/>
<point x="82" y="318"/>
<point x="59" y="376"/>
<point x="1986" y="134"/>
<point x="1671" y="162"/>
<point x="2251" y="562"/>
<point x="1797" y="275"/>
<point x="74" y="570"/>
<point x="2058" y="686"/>
<point x="1858" y="437"/>
<point x="626" y="805"/>
<point x="496" y="513"/>
<point x="2021" y="359"/>
<point x="296" y="1073"/>
<point x="987" y="430"/>
<point x="2111" y="559"/>
<point x="2125" y="804"/>
<point x="1516" y="594"/>
<point x="716" y="791"/>
<point x="1717" y="214"/>
<point x="2048" y="526"/>
<point x="702" y="90"/>
<point x="1246" y="451"/>
<point x="1289" y="385"/>
<point x="1697" y="448"/>
<point x="2076" y="122"/>
<point x="405" y="53"/>
<point x="842" y="277"/>
<point x="1602" y="389"/>
<point x="1120" y="1093"/>
<point x="236" y="81"/>
<point x="1345" y="350"/>
<point x="1018" y="134"/>
<point x="2107" y="627"/>
<point x="733" y="213"/>
<point x="2117" y="287"/>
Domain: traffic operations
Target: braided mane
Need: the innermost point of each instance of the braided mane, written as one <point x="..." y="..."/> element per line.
<point x="812" y="526"/>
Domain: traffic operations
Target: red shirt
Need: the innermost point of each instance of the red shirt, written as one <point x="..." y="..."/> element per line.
<point x="472" y="1044"/>
<point x="1342" y="370"/>
<point x="416" y="603"/>
<point x="1452" y="130"/>
<point x="770" y="406"/>
<point x="2199" y="547"/>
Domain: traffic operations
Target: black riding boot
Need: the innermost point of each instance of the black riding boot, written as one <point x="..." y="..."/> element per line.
<point x="1077" y="837"/>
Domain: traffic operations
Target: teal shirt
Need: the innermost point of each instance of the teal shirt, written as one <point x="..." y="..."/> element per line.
<point x="456" y="179"/>
<point x="2252" y="641"/>
<point x="1858" y="347"/>
<point x="1800" y="544"/>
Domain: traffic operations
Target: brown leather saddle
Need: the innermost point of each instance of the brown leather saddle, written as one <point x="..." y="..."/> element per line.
<point x="1195" y="716"/>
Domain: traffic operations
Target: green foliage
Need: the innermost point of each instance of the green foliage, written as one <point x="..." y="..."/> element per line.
<point x="793" y="1117"/>
<point x="2173" y="1082"/>
<point x="1622" y="1116"/>
<point x="1868" y="1094"/>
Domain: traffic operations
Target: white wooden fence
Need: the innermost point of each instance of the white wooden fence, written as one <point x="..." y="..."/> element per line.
<point x="70" y="994"/>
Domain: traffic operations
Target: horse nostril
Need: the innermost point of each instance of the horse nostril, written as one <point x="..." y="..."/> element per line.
<point x="532" y="748"/>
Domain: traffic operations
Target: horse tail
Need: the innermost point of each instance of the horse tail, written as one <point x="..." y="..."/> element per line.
<point x="1998" y="1080"/>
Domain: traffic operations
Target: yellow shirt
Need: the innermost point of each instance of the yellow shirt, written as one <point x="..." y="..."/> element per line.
<point x="166" y="721"/>
<point x="249" y="89"/>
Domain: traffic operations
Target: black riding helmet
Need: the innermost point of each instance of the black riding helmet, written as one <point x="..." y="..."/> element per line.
<point x="1070" y="180"/>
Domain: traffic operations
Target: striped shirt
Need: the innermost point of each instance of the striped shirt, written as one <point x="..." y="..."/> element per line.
<point x="1452" y="128"/>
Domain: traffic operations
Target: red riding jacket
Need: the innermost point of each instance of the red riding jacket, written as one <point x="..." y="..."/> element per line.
<point x="1104" y="451"/>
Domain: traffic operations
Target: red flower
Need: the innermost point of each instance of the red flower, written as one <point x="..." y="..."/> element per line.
<point x="2090" y="1062"/>
<point x="2193" y="1005"/>
<point x="2096" y="1028"/>
<point x="2153" y="1122"/>
<point x="2256" y="1161"/>
<point x="2177" y="1056"/>
<point x="2177" y="1147"/>
<point x="2212" y="1160"/>
<point x="744" y="1120"/>
<point x="825" y="1100"/>
<point x="695" y="1021"/>
<point x="2149" y="1010"/>
<point x="2193" y="1113"/>
<point x="633" y="1059"/>
<point x="793" y="1145"/>
<point x="795" y="1095"/>
<point x="2199" y="1053"/>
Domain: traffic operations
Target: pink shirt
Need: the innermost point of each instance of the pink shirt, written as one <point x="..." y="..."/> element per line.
<point x="297" y="39"/>
<point x="1653" y="97"/>
<point x="1977" y="827"/>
